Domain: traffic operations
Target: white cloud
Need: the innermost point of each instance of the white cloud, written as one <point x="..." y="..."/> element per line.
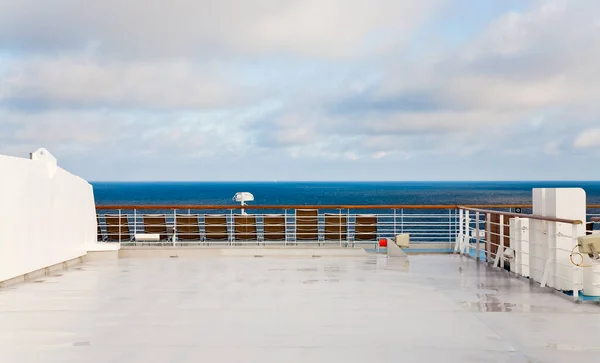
<point x="379" y="155"/>
<point x="287" y="83"/>
<point x="83" y="82"/>
<point x="351" y="156"/>
<point x="183" y="28"/>
<point x="588" y="139"/>
<point x="106" y="134"/>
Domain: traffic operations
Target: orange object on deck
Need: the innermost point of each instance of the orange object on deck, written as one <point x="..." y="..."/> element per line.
<point x="383" y="242"/>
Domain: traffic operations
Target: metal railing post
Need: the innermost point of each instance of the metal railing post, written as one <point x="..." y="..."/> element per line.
<point x="174" y="235"/>
<point x="458" y="244"/>
<point x="449" y="225"/>
<point x="231" y="232"/>
<point x="500" y="251"/>
<point x="488" y="237"/>
<point x="577" y="270"/>
<point x="285" y="227"/>
<point x="120" y="222"/>
<point x="339" y="227"/>
<point x="134" y="223"/>
<point x="467" y="235"/>
<point x="347" y="227"/>
<point x="477" y="236"/>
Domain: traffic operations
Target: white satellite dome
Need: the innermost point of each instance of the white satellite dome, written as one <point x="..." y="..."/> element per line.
<point x="243" y="197"/>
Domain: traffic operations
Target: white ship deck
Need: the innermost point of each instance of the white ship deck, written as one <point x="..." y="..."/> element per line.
<point x="429" y="308"/>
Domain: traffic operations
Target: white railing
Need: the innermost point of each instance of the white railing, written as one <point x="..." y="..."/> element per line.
<point x="343" y="227"/>
<point x="539" y="248"/>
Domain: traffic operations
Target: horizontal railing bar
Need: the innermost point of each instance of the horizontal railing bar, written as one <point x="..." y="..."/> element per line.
<point x="519" y="215"/>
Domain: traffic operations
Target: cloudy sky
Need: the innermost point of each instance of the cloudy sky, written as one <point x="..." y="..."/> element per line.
<point x="304" y="89"/>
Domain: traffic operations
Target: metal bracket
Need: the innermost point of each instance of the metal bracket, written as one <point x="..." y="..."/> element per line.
<point x="594" y="253"/>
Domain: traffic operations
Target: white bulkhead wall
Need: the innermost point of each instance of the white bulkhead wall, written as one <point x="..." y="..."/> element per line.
<point x="47" y="215"/>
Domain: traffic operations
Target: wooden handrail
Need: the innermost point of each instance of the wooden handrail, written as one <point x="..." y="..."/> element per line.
<point x="519" y="215"/>
<point x="297" y="206"/>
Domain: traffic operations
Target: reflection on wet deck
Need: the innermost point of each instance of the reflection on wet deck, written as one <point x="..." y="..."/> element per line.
<point x="431" y="308"/>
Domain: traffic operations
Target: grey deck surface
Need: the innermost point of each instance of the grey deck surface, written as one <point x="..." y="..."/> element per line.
<point x="438" y="308"/>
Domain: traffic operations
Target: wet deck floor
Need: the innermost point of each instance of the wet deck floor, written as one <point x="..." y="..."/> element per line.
<point x="437" y="308"/>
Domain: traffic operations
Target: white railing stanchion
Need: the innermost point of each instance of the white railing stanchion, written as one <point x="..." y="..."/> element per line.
<point x="120" y="222"/>
<point x="577" y="270"/>
<point x="285" y="228"/>
<point x="339" y="227"/>
<point x="488" y="237"/>
<point x="347" y="227"/>
<point x="467" y="234"/>
<point x="477" y="236"/>
<point x="174" y="235"/>
<point x="501" y="243"/>
<point x="458" y="245"/>
<point x="450" y="225"/>
<point x="230" y="232"/>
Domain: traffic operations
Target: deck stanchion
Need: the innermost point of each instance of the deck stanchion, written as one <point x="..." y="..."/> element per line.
<point x="467" y="234"/>
<point x="500" y="251"/>
<point x="477" y="236"/>
<point x="577" y="270"/>
<point x="347" y="227"/>
<point x="458" y="244"/>
<point x="285" y="227"/>
<point x="449" y="225"/>
<point x="174" y="236"/>
<point x="230" y="231"/>
<point x="488" y="237"/>
<point x="339" y="226"/>
<point x="120" y="226"/>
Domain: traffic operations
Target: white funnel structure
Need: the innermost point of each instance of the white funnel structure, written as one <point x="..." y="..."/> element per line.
<point x="243" y="197"/>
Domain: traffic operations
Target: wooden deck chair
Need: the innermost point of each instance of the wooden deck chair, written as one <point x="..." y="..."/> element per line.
<point x="336" y="228"/>
<point x="365" y="228"/>
<point x="307" y="225"/>
<point x="187" y="227"/>
<point x="117" y="228"/>
<point x="274" y="227"/>
<point x="215" y="227"/>
<point x="245" y="227"/>
<point x="156" y="224"/>
<point x="589" y="226"/>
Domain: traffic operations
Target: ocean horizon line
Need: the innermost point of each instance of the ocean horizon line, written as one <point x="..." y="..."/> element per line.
<point x="337" y="181"/>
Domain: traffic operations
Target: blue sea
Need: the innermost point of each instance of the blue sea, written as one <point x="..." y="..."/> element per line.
<point x="332" y="193"/>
